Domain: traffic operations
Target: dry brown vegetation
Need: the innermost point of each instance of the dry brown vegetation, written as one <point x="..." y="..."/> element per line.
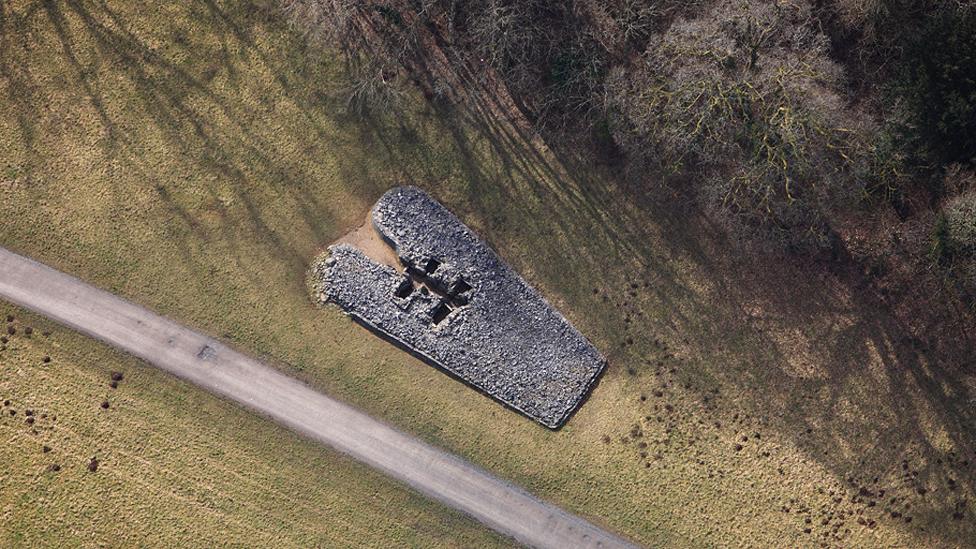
<point x="745" y="98"/>
<point x="785" y="122"/>
<point x="169" y="466"/>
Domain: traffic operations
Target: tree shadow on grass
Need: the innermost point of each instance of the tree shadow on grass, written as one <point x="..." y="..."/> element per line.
<point x="806" y="343"/>
<point x="20" y="85"/>
<point x="168" y="76"/>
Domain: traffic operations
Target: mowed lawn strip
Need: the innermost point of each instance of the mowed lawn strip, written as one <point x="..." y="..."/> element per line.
<point x="175" y="466"/>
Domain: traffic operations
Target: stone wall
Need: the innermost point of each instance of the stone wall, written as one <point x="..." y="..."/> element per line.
<point x="462" y="308"/>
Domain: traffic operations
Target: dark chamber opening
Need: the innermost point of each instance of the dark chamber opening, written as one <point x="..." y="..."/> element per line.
<point x="459" y="287"/>
<point x="405" y="288"/>
<point x="441" y="312"/>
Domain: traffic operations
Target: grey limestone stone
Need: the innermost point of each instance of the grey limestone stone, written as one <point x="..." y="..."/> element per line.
<point x="462" y="308"/>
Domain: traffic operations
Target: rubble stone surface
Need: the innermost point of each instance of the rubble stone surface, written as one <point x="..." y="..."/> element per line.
<point x="462" y="308"/>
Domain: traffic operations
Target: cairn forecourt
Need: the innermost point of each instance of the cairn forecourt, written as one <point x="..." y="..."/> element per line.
<point x="462" y="308"/>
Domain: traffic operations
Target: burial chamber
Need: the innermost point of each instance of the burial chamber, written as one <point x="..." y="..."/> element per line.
<point x="456" y="304"/>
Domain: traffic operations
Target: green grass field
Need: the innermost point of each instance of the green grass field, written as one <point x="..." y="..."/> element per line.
<point x="177" y="467"/>
<point x="195" y="158"/>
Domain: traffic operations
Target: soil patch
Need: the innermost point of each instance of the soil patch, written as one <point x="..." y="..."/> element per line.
<point x="370" y="242"/>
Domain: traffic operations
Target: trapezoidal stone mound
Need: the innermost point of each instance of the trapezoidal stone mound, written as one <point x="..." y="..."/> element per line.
<point x="460" y="307"/>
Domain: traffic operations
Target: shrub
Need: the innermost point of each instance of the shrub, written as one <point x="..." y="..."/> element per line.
<point x="545" y="52"/>
<point x="622" y="25"/>
<point x="554" y="56"/>
<point x="961" y="224"/>
<point x="954" y="244"/>
<point x="360" y="32"/>
<point x="934" y="86"/>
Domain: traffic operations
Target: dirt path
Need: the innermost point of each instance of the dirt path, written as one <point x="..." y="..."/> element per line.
<point x="368" y="239"/>
<point x="213" y="366"/>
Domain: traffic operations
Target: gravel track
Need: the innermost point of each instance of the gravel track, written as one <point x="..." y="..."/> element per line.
<point x="223" y="371"/>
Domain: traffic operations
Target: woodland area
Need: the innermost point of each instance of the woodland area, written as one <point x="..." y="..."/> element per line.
<point x="843" y="129"/>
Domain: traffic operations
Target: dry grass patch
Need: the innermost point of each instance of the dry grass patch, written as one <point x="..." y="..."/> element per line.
<point x="167" y="465"/>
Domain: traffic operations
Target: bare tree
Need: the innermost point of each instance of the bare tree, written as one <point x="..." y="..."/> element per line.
<point x="373" y="58"/>
<point x="746" y="97"/>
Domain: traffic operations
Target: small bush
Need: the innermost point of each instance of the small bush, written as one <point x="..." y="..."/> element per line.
<point x="960" y="218"/>
<point x="374" y="44"/>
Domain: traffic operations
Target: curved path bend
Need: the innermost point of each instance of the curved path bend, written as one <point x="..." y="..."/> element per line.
<point x="221" y="370"/>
